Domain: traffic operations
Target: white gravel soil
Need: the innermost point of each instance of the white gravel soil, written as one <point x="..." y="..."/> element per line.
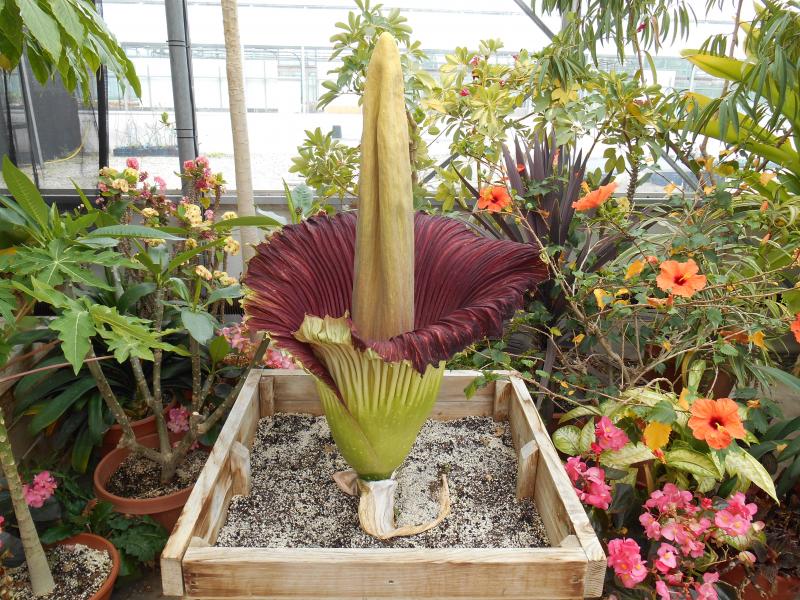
<point x="79" y="571"/>
<point x="295" y="503"/>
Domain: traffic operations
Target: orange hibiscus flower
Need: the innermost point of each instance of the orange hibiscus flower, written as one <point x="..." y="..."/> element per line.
<point x="680" y="279"/>
<point x="795" y="327"/>
<point x="716" y="421"/>
<point x="595" y="198"/>
<point x="494" y="198"/>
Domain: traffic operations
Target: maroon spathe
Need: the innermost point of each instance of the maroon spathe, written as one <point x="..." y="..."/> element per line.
<point x="465" y="286"/>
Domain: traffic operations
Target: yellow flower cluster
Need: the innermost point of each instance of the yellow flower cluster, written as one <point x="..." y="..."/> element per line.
<point x="228" y="215"/>
<point x="149" y="213"/>
<point x="224" y="278"/>
<point x="231" y="245"/>
<point x="201" y="271"/>
<point x="193" y="215"/>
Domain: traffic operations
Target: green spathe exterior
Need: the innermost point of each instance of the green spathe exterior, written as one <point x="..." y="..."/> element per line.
<point x="380" y="406"/>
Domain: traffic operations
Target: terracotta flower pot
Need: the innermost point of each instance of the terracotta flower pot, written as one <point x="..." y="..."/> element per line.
<point x="786" y="588"/>
<point x="164" y="509"/>
<point x="98" y="543"/>
<point x="141" y="428"/>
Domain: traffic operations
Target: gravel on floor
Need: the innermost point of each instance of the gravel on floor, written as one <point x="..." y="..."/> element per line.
<point x="295" y="503"/>
<point x="79" y="571"/>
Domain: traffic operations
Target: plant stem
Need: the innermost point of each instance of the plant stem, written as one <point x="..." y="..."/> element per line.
<point x="40" y="576"/>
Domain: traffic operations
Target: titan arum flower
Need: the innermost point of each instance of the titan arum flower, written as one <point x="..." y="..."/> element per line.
<point x="373" y="305"/>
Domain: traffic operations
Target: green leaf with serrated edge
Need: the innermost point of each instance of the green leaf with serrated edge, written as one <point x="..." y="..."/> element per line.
<point x="75" y="330"/>
<point x="691" y="461"/>
<point x="567" y="439"/>
<point x="580" y="411"/>
<point x="587" y="437"/>
<point x="746" y="467"/>
<point x="626" y="456"/>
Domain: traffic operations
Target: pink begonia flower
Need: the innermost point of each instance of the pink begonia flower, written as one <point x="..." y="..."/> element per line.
<point x="731" y="524"/>
<point x="652" y="528"/>
<point x="575" y="468"/>
<point x="188" y="165"/>
<point x="132" y="163"/>
<point x="706" y="590"/>
<point x="737" y="506"/>
<point x="202" y="161"/>
<point x="747" y="557"/>
<point x="209" y="215"/>
<point x="160" y="184"/>
<point x="596" y="491"/>
<point x="464" y="92"/>
<point x="624" y="556"/>
<point x="45" y="482"/>
<point x="667" y="558"/>
<point x="662" y="590"/>
<point x="670" y="499"/>
<point x="608" y="436"/>
<point x="706" y="503"/>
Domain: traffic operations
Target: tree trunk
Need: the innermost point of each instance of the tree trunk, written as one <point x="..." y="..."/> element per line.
<point x="41" y="578"/>
<point x="238" y="110"/>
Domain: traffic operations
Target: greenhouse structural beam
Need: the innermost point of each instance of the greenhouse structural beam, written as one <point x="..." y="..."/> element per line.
<point x="180" y="69"/>
<point x="524" y="7"/>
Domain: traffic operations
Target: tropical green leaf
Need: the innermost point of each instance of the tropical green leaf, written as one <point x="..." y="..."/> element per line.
<point x="691" y="461"/>
<point x="133" y="231"/>
<point x="25" y="193"/>
<point x="251" y="221"/>
<point x="567" y="439"/>
<point x="133" y="294"/>
<point x="75" y="330"/>
<point x="584" y="410"/>
<point x="231" y="291"/>
<point x="746" y="467"/>
<point x="58" y="405"/>
<point x="628" y="455"/>
<point x="200" y="324"/>
<point x="218" y="349"/>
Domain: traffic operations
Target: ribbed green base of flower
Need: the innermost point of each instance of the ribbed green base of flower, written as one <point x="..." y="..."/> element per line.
<point x="383" y="405"/>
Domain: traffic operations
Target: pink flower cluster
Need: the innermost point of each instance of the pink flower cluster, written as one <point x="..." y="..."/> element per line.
<point x="625" y="557"/>
<point x="239" y="339"/>
<point x="178" y="419"/>
<point x="737" y="517"/>
<point x="40" y="489"/>
<point x="199" y="171"/>
<point x="608" y="436"/>
<point x="237" y="336"/>
<point x="683" y="525"/>
<point x="589" y="483"/>
<point x="275" y="359"/>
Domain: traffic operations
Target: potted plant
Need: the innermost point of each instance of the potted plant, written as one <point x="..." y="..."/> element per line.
<point x="375" y="303"/>
<point x="179" y="289"/>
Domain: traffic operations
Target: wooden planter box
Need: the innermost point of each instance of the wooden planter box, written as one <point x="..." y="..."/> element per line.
<point x="572" y="568"/>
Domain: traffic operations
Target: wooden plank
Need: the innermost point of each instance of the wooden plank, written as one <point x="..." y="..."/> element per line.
<point x="527" y="461"/>
<point x="539" y="573"/>
<point x="559" y="506"/>
<point x="502" y="395"/>
<point x="211" y="492"/>
<point x="266" y="396"/>
<point x="241" y="482"/>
